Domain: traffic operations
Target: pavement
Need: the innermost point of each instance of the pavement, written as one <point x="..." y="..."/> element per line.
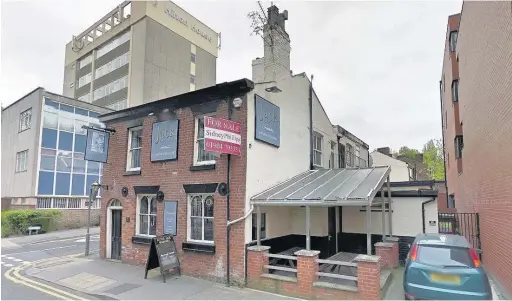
<point x="52" y="266"/>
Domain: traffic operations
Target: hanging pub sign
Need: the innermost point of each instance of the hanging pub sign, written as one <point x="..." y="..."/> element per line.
<point x="268" y="121"/>
<point x="162" y="253"/>
<point x="164" y="140"/>
<point x="222" y="136"/>
<point x="96" y="145"/>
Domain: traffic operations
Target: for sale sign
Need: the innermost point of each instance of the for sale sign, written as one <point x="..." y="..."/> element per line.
<point x="222" y="136"/>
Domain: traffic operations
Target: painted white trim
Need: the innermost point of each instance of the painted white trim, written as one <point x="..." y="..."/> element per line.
<point x="189" y="201"/>
<point x="137" y="215"/>
<point x="196" y="144"/>
<point x="108" y="240"/>
<point x="129" y="144"/>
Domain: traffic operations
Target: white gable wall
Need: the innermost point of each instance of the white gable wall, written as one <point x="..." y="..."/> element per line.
<point x="399" y="169"/>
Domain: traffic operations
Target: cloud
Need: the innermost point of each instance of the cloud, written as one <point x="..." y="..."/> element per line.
<point x="376" y="64"/>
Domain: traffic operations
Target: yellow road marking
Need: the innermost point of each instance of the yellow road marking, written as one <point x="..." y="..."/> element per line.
<point x="47" y="289"/>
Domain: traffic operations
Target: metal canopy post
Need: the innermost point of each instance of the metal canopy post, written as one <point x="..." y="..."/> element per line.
<point x="369" y="230"/>
<point x="258" y="225"/>
<point x="308" y="227"/>
<point x="390" y="204"/>
<point x="383" y="205"/>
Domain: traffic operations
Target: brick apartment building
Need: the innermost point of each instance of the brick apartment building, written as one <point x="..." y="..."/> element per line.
<point x="476" y="102"/>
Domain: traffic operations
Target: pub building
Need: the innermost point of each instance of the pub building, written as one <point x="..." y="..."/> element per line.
<point x="161" y="180"/>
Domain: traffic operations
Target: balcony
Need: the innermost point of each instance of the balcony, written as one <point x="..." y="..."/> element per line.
<point x="351" y="161"/>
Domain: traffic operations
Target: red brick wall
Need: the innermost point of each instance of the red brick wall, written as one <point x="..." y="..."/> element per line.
<point x="171" y="176"/>
<point x="485" y="90"/>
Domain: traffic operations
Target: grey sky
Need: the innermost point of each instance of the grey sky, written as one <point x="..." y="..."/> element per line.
<point x="377" y="65"/>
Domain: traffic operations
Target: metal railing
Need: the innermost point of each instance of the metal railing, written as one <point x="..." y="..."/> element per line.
<point x="337" y="275"/>
<point x="66" y="203"/>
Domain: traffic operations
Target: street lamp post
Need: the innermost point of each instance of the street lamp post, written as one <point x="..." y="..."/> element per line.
<point x="92" y="197"/>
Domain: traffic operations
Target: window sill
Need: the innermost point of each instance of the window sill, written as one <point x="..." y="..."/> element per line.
<point x="202" y="167"/>
<point x="198" y="247"/>
<point x="142" y="240"/>
<point x="132" y="173"/>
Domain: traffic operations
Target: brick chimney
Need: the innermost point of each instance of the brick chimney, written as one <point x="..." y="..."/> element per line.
<point x="385" y="150"/>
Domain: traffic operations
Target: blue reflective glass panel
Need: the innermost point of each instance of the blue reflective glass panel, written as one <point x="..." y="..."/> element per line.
<point x="62" y="183"/>
<point x="65" y="141"/>
<point x="80" y="143"/>
<point x="45" y="186"/>
<point x="78" y="187"/>
<point x="49" y="138"/>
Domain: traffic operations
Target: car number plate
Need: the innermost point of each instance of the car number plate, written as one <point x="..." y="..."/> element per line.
<point x="445" y="278"/>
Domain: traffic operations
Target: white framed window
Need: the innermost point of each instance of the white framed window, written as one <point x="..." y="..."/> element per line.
<point x="350" y="155"/>
<point x="21" y="161"/>
<point x="263" y="229"/>
<point x="114" y="64"/>
<point x="358" y="155"/>
<point x="146" y="215"/>
<point x="111" y="87"/>
<point x="202" y="157"/>
<point x="121" y="39"/>
<point x="25" y="120"/>
<point x="134" y="148"/>
<point x="200" y="218"/>
<point x="84" y="80"/>
<point x="317" y="150"/>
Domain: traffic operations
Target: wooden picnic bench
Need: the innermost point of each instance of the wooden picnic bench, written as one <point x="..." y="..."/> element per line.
<point x="350" y="269"/>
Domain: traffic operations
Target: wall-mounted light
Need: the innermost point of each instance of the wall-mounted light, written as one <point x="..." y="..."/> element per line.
<point x="237" y="102"/>
<point x="273" y="89"/>
<point x="151" y="114"/>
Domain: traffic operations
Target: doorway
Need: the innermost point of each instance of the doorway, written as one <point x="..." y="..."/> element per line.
<point x="114" y="230"/>
<point x="332" y="235"/>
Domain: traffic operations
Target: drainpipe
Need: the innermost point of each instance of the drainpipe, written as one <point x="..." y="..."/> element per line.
<point x="442" y="134"/>
<point x="310" y="100"/>
<point x="423" y="212"/>
<point x="228" y="227"/>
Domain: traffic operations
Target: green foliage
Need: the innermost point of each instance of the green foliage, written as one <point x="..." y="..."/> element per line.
<point x="16" y="222"/>
<point x="433" y="157"/>
<point x="408" y="152"/>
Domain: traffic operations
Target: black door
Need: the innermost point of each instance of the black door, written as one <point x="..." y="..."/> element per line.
<point x="116" y="234"/>
<point x="332" y="231"/>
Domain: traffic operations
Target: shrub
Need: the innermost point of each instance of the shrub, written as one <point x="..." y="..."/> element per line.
<point x="16" y="222"/>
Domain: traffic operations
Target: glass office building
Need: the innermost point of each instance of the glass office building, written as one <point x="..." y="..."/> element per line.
<point x="62" y="169"/>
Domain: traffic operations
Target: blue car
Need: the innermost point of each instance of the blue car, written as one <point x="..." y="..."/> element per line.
<point x="444" y="267"/>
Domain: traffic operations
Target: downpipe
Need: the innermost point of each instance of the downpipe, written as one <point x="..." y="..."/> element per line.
<point x="423" y="213"/>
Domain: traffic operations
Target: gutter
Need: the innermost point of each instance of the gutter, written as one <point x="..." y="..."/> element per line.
<point x="423" y="212"/>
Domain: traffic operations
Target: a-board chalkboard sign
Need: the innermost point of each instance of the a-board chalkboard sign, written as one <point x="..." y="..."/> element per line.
<point x="163" y="254"/>
<point x="170" y="217"/>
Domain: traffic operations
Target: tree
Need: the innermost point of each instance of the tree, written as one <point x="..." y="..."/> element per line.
<point x="408" y="152"/>
<point x="433" y="158"/>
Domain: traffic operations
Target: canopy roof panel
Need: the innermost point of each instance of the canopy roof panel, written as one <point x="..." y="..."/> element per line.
<point x="327" y="187"/>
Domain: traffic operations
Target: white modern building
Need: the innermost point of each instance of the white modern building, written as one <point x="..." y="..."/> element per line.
<point x="43" y="146"/>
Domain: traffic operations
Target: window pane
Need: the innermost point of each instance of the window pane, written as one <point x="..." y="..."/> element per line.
<point x="62" y="183"/>
<point x="208" y="206"/>
<point x="65" y="141"/>
<point x="143" y="226"/>
<point x="80" y="143"/>
<point x="49" y="138"/>
<point x="64" y="163"/>
<point x="144" y="203"/>
<point x="66" y="108"/>
<point x="153" y="205"/>
<point x="203" y="155"/>
<point x="93" y="167"/>
<point x="50" y="106"/>
<point x="47" y="162"/>
<point x="196" y="207"/>
<point x="78" y="165"/>
<point x="66" y="124"/>
<point x="81" y="112"/>
<point x="208" y="229"/>
<point x="442" y="256"/>
<point x="136" y="139"/>
<point x="200" y="128"/>
<point x="196" y="228"/>
<point x="78" y="185"/>
<point x="135" y="158"/>
<point x="45" y="183"/>
<point x="152" y="225"/>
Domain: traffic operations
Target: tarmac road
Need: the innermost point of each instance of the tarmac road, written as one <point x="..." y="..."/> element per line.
<point x="15" y="257"/>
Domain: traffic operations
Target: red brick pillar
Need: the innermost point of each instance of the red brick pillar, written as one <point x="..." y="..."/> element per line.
<point x="394" y="252"/>
<point x="387" y="251"/>
<point x="307" y="267"/>
<point x="368" y="277"/>
<point x="257" y="258"/>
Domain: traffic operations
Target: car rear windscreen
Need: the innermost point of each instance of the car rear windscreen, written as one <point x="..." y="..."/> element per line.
<point x="443" y="256"/>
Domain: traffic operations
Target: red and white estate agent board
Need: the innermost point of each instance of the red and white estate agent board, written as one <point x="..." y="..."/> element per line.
<point x="222" y="136"/>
